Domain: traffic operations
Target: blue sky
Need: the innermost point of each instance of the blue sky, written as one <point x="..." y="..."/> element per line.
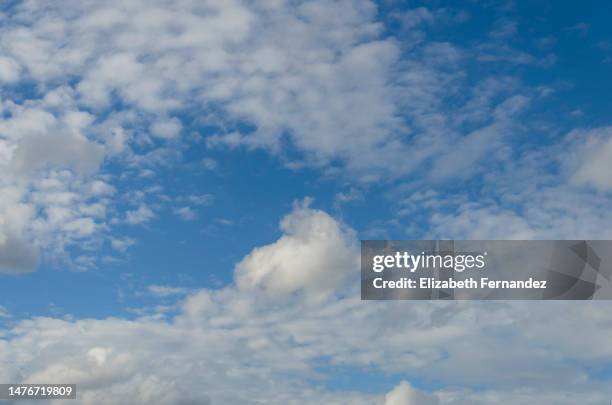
<point x="190" y="171"/>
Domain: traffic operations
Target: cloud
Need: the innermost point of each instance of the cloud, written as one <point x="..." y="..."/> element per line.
<point x="353" y="194"/>
<point x="186" y="213"/>
<point x="323" y="80"/>
<point x="166" y="129"/>
<point x="314" y="256"/>
<point x="9" y="70"/>
<point x="270" y="344"/>
<point x="17" y="254"/>
<point x="165" y="291"/>
<point x="59" y="151"/>
<point x="115" y="82"/>
<point x="110" y="79"/>
<point x="553" y="191"/>
<point x="51" y="195"/>
<point x="405" y="394"/>
<point x="210" y="164"/>
<point x="594" y="149"/>
<point x="339" y="90"/>
<point x="122" y="245"/>
<point x="201" y="199"/>
<point x="139" y="216"/>
<point x="4" y="313"/>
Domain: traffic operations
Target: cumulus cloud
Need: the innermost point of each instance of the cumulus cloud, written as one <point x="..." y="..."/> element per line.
<point x="138" y="216"/>
<point x="595" y="158"/>
<point x="51" y="195"/>
<point x="405" y="394"/>
<point x="17" y="254"/>
<point x="9" y="70"/>
<point x="271" y="349"/>
<point x="122" y="245"/>
<point x="314" y="256"/>
<point x="167" y="129"/>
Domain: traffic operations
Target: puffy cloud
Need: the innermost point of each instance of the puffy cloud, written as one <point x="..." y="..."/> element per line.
<point x="9" y="70"/>
<point x="140" y="215"/>
<point x="113" y="79"/>
<point x="167" y="129"/>
<point x="17" y="253"/>
<point x="51" y="195"/>
<point x="325" y="78"/>
<point x="338" y="89"/>
<point x="60" y="151"/>
<point x="405" y="394"/>
<point x="110" y="76"/>
<point x="545" y="193"/>
<point x="595" y="154"/>
<point x="122" y="245"/>
<point x="314" y="256"/>
<point x="272" y="348"/>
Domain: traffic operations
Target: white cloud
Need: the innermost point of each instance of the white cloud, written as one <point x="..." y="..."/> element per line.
<point x="337" y="90"/>
<point x="323" y="77"/>
<point x="101" y="188"/>
<point x="58" y="144"/>
<point x="201" y="199"/>
<point x="50" y="194"/>
<point x="314" y="256"/>
<point x="17" y="254"/>
<point x="594" y="149"/>
<point x="270" y="344"/>
<point x="140" y="215"/>
<point x="351" y="195"/>
<point x="165" y="291"/>
<point x="122" y="245"/>
<point x="186" y="213"/>
<point x="405" y="394"/>
<point x="167" y="129"/>
<point x="9" y="70"/>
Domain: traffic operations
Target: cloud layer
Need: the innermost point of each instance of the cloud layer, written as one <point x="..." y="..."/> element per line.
<point x="110" y="84"/>
<point x="235" y="346"/>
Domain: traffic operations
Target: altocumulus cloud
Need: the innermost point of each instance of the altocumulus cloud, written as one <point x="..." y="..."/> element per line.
<point x="232" y="346"/>
<point x="112" y="80"/>
<point x="269" y="63"/>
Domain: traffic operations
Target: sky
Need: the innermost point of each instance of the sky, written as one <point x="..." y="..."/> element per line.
<point x="184" y="184"/>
